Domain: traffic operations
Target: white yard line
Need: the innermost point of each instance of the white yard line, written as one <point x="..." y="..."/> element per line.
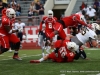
<point x="22" y="56"/>
<point x="92" y="49"/>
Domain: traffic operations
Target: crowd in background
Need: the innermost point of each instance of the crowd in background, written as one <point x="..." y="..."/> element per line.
<point x="35" y="9"/>
<point x="92" y="13"/>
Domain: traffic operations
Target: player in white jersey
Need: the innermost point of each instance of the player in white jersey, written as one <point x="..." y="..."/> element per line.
<point x="21" y="27"/>
<point x="86" y="35"/>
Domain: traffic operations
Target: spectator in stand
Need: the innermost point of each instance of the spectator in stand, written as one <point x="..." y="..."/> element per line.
<point x="37" y="13"/>
<point x="36" y="1"/>
<point x="33" y="7"/>
<point x="18" y="10"/>
<point x="5" y="2"/>
<point x="41" y="12"/>
<point x="13" y="2"/>
<point x="30" y="16"/>
<point x="96" y="8"/>
<point x="1" y="6"/>
<point x="8" y="6"/>
<point x="13" y="6"/>
<point x="91" y="13"/>
<point x="96" y="2"/>
<point x="83" y="5"/>
<point x="86" y="8"/>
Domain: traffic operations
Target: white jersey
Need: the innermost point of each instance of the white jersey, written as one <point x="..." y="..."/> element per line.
<point x="19" y="26"/>
<point x="85" y="35"/>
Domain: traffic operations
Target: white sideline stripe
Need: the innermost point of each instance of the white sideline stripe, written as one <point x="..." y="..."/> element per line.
<point x="92" y="49"/>
<point x="24" y="56"/>
<point x="1" y="55"/>
<point x="32" y="36"/>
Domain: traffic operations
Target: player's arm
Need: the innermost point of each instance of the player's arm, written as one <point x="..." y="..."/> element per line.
<point x="57" y="45"/>
<point x="7" y="26"/>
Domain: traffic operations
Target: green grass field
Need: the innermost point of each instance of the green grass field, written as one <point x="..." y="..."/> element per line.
<point x="8" y="66"/>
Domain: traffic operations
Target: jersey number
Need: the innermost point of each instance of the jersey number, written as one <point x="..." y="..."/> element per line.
<point x="50" y="25"/>
<point x="63" y="52"/>
<point x="84" y="31"/>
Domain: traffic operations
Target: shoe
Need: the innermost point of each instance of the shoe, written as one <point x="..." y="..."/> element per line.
<point x="16" y="57"/>
<point x="34" y="61"/>
<point x="10" y="51"/>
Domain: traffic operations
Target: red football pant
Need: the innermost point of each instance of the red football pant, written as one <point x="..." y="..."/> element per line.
<point x="5" y="40"/>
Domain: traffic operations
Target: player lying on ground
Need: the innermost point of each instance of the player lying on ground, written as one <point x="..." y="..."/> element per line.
<point x="66" y="52"/>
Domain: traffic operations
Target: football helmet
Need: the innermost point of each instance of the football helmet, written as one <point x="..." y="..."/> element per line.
<point x="10" y="12"/>
<point x="50" y="13"/>
<point x="72" y="46"/>
<point x="95" y="26"/>
<point x="80" y="17"/>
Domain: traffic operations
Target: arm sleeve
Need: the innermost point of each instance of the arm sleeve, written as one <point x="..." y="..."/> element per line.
<point x="81" y="22"/>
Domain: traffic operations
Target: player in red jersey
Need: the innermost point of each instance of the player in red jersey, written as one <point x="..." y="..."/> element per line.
<point x="6" y="31"/>
<point x="46" y="28"/>
<point x="66" y="52"/>
<point x="72" y="20"/>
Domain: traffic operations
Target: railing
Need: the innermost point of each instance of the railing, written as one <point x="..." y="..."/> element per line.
<point x="62" y="1"/>
<point x="29" y="21"/>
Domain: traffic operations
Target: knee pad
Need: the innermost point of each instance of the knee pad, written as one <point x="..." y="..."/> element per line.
<point x="17" y="45"/>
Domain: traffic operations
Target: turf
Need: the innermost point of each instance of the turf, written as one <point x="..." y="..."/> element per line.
<point x="9" y="66"/>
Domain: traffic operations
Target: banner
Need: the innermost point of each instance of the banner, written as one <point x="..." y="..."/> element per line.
<point x="32" y="42"/>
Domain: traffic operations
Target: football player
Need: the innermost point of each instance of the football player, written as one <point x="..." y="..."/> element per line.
<point x="6" y="33"/>
<point x="72" y="20"/>
<point x="66" y="52"/>
<point x="46" y="28"/>
<point x="84" y="36"/>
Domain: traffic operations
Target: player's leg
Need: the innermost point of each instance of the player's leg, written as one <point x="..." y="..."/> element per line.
<point x="16" y="41"/>
<point x="20" y="36"/>
<point x="40" y="60"/>
<point x="41" y="42"/>
<point x="4" y="46"/>
<point x="48" y="56"/>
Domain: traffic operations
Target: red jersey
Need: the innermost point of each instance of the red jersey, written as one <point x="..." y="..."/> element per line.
<point x="73" y="20"/>
<point x="6" y="22"/>
<point x="49" y="22"/>
<point x="64" y="55"/>
<point x="49" y="25"/>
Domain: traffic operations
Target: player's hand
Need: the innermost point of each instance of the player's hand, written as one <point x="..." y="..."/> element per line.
<point x="49" y="42"/>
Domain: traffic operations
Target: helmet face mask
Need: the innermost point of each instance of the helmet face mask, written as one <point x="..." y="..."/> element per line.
<point x="10" y="13"/>
<point x="50" y="14"/>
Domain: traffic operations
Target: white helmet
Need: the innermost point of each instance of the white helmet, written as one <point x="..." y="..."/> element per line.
<point x="80" y="17"/>
<point x="72" y="46"/>
<point x="95" y="26"/>
<point x="10" y="12"/>
<point x="50" y="13"/>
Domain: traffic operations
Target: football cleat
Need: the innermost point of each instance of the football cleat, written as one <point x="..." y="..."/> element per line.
<point x="16" y="57"/>
<point x="34" y="61"/>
